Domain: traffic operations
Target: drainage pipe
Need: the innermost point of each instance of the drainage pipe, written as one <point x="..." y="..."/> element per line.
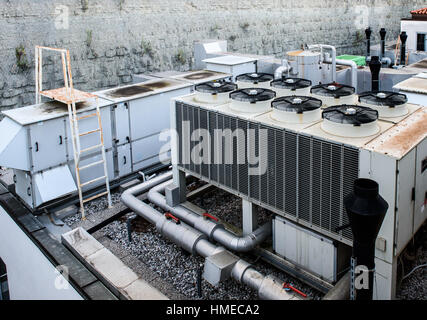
<point x="193" y="241"/>
<point x="212" y="229"/>
<point x="353" y="66"/>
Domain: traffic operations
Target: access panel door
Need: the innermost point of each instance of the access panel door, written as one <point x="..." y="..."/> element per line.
<point x="48" y="147"/>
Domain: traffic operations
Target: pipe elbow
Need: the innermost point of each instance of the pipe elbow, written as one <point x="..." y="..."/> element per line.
<point x="278" y="73"/>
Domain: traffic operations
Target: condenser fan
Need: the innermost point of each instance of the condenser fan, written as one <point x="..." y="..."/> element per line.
<point x="255" y="78"/>
<point x="216" y="87"/>
<point x="291" y="83"/>
<point x="252" y="95"/>
<point x="350" y="114"/>
<point x="383" y="98"/>
<point x="333" y="90"/>
<point x="297" y="104"/>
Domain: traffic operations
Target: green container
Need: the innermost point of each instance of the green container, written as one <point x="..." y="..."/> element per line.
<point x="360" y="60"/>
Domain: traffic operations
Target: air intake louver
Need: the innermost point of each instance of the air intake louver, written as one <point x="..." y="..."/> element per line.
<point x="306" y="178"/>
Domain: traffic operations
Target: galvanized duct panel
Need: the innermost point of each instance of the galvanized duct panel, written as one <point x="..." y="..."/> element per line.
<point x="306" y="178"/>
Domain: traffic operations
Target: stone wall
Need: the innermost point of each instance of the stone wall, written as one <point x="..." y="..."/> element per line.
<point x="110" y="40"/>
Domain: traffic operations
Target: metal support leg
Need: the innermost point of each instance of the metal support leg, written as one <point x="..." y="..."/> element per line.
<point x="250" y="217"/>
<point x="199" y="280"/>
<point x="179" y="181"/>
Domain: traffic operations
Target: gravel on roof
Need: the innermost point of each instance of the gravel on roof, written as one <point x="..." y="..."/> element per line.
<point x="179" y="268"/>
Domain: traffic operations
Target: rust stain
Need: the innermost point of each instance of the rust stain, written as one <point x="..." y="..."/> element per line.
<point x="157" y="85"/>
<point x="401" y="138"/>
<point x="138" y="89"/>
<point x="128" y="91"/>
<point x="53" y="107"/>
<point x="295" y="53"/>
<point x="62" y="96"/>
<point x="199" y="75"/>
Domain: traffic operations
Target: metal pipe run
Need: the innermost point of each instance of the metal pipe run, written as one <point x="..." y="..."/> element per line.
<point x="212" y="229"/>
<point x="194" y="242"/>
<point x="341" y="291"/>
<point x="285" y="67"/>
<point x="332" y="60"/>
<point x="353" y="66"/>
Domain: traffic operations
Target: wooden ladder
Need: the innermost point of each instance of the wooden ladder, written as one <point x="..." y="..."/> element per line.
<point x="70" y="96"/>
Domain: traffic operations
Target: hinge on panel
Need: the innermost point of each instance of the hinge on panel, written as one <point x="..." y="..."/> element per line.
<point x="413" y="194"/>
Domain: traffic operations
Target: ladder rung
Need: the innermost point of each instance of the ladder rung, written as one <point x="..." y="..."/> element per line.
<point x="95" y="197"/>
<point x="87" y="116"/>
<point x="91" y="165"/>
<point x="89" y="132"/>
<point x="92" y="181"/>
<point x="92" y="148"/>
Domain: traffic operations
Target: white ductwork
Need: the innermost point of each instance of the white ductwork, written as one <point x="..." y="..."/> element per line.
<point x="332" y="59"/>
<point x="194" y="241"/>
<point x="213" y="230"/>
<point x="386" y="61"/>
<point x="353" y="66"/>
<point x="285" y="67"/>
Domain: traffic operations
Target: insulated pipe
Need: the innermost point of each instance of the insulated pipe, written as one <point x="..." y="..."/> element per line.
<point x="210" y="228"/>
<point x="333" y="59"/>
<point x="353" y="66"/>
<point x="193" y="241"/>
<point x="386" y="61"/>
<point x="341" y="291"/>
<point x="285" y="67"/>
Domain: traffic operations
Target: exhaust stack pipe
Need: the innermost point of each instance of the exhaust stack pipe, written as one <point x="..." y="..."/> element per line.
<point x="403" y="38"/>
<point x="375" y="66"/>
<point x="366" y="210"/>
<point x="368" y="33"/>
<point x="382" y="34"/>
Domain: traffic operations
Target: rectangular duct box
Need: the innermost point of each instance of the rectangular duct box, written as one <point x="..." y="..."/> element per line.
<point x="44" y="186"/>
<point x="234" y="65"/>
<point x="218" y="267"/>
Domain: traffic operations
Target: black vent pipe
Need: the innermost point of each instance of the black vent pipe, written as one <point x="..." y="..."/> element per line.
<point x="375" y="66"/>
<point x="403" y="37"/>
<point x="366" y="210"/>
<point x="382" y="34"/>
<point x="368" y="33"/>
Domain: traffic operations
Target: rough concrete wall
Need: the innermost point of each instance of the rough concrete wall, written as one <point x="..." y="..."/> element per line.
<point x="109" y="40"/>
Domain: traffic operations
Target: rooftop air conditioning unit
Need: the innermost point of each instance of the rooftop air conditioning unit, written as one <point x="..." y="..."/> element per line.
<point x="311" y="163"/>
